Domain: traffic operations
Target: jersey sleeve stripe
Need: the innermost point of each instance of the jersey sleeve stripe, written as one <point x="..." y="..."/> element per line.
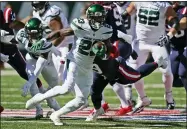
<point x="45" y="48"/>
<point x="77" y="26"/>
<point x="184" y="10"/>
<point x="108" y="32"/>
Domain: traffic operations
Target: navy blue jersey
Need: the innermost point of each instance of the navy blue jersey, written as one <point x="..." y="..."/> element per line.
<point x="115" y="20"/>
<point x="179" y="41"/>
<point x="107" y="68"/>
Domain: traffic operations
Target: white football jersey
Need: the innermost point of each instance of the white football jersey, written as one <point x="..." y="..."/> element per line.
<point x="81" y="52"/>
<point x="150" y="24"/>
<point x="46" y="47"/>
<point x="51" y="13"/>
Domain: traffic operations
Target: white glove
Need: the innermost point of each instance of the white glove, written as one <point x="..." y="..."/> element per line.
<point x="4" y="58"/>
<point x="3" y="32"/>
<point x="163" y="40"/>
<point x="25" y="89"/>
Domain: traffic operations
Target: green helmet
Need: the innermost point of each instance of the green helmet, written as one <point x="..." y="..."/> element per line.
<point x="96" y="15"/>
<point x="34" y="29"/>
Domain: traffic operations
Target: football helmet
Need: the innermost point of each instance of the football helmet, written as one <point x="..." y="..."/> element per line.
<point x="34" y="29"/>
<point x="96" y="16"/>
<point x="40" y="6"/>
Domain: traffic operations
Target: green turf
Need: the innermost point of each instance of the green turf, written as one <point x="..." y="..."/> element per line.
<point x="11" y="99"/>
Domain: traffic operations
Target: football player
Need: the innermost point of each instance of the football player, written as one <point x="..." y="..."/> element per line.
<point x="88" y="31"/>
<point x="115" y="70"/>
<point x="11" y="54"/>
<point x="38" y="58"/>
<point x="53" y="19"/>
<point x="150" y="24"/>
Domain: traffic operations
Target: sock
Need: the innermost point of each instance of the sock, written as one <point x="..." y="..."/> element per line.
<point x="139" y="85"/>
<point x="103" y="98"/>
<point x="70" y="107"/>
<point x="119" y="90"/>
<point x="34" y="90"/>
<point x="146" y="69"/>
<point x="184" y="81"/>
<point x="168" y="82"/>
<point x="57" y="90"/>
<point x="128" y="92"/>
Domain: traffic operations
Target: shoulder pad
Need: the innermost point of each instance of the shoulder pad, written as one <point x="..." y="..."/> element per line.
<point x="21" y="36"/>
<point x="54" y="10"/>
<point x="76" y="24"/>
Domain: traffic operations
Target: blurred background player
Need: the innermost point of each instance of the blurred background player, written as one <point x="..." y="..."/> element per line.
<point x="150" y="25"/>
<point x="53" y="19"/>
<point x="12" y="55"/>
<point x="178" y="48"/>
<point x="38" y="58"/>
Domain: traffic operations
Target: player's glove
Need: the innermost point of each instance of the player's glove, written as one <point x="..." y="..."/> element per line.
<point x="25" y="89"/>
<point x="4" y="58"/>
<point x="37" y="45"/>
<point x="99" y="50"/>
<point x="3" y="32"/>
<point x="163" y="40"/>
<point x="114" y="52"/>
<point x="134" y="55"/>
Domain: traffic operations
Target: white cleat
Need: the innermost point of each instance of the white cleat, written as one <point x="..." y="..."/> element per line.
<point x="162" y="62"/>
<point x="94" y="114"/>
<point x="33" y="101"/>
<point x="55" y="119"/>
<point x="39" y="114"/>
<point x="145" y="101"/>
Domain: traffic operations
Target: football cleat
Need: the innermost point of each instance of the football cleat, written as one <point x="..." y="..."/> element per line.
<point x="142" y="102"/>
<point x="123" y="111"/>
<point x="162" y="62"/>
<point x="55" y="119"/>
<point x="94" y="114"/>
<point x="33" y="101"/>
<point x="169" y="105"/>
<point x="39" y="114"/>
<point x="1" y="108"/>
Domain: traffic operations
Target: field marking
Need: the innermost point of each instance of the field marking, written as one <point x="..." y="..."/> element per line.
<point x="110" y="104"/>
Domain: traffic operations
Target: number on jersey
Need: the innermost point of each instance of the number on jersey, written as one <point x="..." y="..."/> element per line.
<point x="149" y="17"/>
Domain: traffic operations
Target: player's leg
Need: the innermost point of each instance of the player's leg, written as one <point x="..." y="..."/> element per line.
<point x="50" y="75"/>
<point x="174" y="58"/>
<point x="183" y="68"/>
<point x="167" y="76"/>
<point x="57" y="90"/>
<point x="82" y="87"/>
<point x="30" y="65"/>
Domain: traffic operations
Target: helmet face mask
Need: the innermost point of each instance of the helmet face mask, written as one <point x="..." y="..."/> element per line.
<point x="39" y="6"/>
<point x="34" y="29"/>
<point x="96" y="16"/>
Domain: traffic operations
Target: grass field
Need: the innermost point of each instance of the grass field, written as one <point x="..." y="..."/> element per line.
<point x="11" y="99"/>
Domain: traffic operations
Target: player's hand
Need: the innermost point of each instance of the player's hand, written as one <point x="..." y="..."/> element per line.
<point x="3" y="32"/>
<point x="163" y="40"/>
<point x="134" y="55"/>
<point x="4" y="58"/>
<point x="25" y="89"/>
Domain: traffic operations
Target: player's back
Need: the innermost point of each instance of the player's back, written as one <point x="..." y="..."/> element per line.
<point x="114" y="19"/>
<point x="150" y="24"/>
<point x="81" y="51"/>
